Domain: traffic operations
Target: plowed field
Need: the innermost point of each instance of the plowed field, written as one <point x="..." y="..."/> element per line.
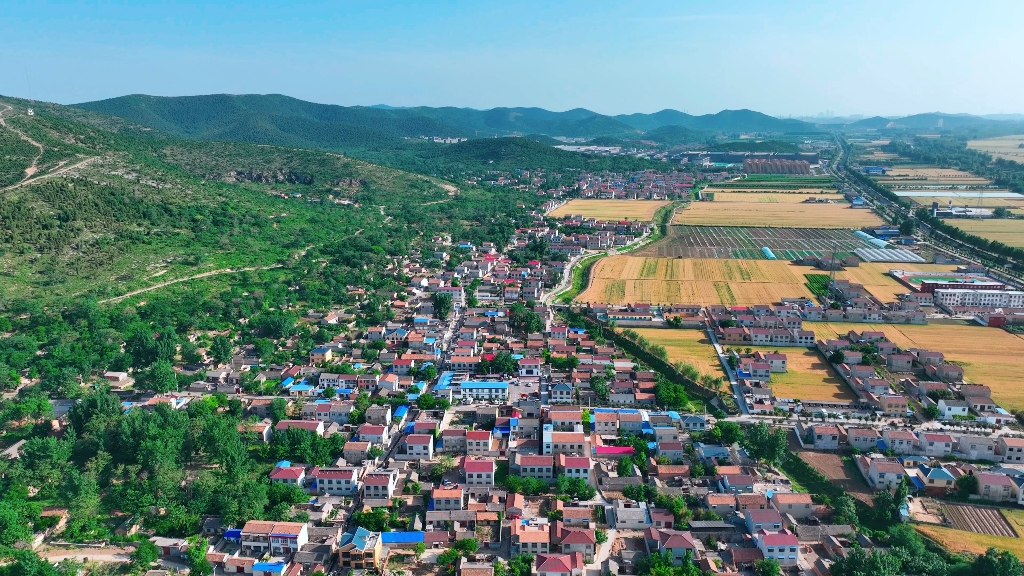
<point x="610" y="209"/>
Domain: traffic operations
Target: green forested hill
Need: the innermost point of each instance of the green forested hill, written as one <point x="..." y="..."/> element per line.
<point x="111" y="211"/>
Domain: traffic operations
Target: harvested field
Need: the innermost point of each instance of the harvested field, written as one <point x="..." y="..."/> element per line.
<point x="929" y="175"/>
<point x="1005" y="147"/>
<point x="978" y="519"/>
<point x="975" y="543"/>
<point x="808" y="377"/>
<point x="1009" y="232"/>
<point x="775" y="215"/>
<point x="690" y="345"/>
<point x="988" y="356"/>
<point x="772" y="197"/>
<point x="610" y="209"/>
<point x="987" y="199"/>
<point x="843" y="474"/>
<point x="628" y="279"/>
<point x="739" y="242"/>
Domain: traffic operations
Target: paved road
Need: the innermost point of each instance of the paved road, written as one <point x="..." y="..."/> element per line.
<point x="737" y="394"/>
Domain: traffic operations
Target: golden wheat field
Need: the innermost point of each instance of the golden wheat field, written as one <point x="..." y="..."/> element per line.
<point x="975" y="543"/>
<point x="1009" y="232"/>
<point x="808" y="377"/>
<point x="775" y="215"/>
<point x="610" y="209"/>
<point x="1005" y="147"/>
<point x="772" y="197"/>
<point x="989" y="356"/>
<point x="629" y="279"/>
<point x="690" y="345"/>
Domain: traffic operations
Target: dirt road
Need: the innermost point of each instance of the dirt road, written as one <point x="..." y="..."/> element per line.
<point x="35" y="161"/>
<point x="186" y="279"/>
<point x="92" y="554"/>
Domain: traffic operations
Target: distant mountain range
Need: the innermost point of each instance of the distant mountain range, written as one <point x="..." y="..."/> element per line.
<point x="281" y="119"/>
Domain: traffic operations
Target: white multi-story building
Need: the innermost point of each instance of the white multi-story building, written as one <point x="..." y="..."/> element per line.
<point x="979" y="298"/>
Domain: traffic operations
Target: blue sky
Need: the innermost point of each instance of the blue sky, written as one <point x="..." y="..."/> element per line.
<point x="782" y="58"/>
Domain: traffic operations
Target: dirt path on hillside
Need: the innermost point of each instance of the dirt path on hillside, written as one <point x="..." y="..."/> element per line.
<point x="35" y="161"/>
<point x="186" y="279"/>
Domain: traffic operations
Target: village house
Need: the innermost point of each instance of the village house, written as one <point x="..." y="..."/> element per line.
<point x="722" y="504"/>
<point x="478" y="472"/>
<point x="531" y="466"/>
<point x="559" y="565"/>
<point x="977" y="447"/>
<point x="996" y="487"/>
<point x="865" y="439"/>
<point x="1011" y="449"/>
<point x="529" y="538"/>
<point x="447" y="498"/>
<point x="885" y="474"/>
<point x="797" y="505"/>
<point x="416" y="447"/>
<point x="676" y="543"/>
<point x="782" y="546"/>
<point x="355" y="452"/>
<point x="380" y="485"/>
<point x="825" y="436"/>
<point x="360" y="549"/>
<point x="900" y="441"/>
<point x="762" y="520"/>
<point x="935" y="444"/>
<point x="335" y="481"/>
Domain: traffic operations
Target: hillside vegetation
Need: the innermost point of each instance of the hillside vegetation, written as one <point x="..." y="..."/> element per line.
<point x="137" y="207"/>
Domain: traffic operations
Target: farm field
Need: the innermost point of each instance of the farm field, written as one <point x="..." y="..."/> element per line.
<point x="930" y="175"/>
<point x="627" y="279"/>
<point x="690" y="345"/>
<point x="975" y="543"/>
<point x="1009" y="232"/>
<point x="741" y="242"/>
<point x="798" y="192"/>
<point x="832" y="466"/>
<point x="988" y="356"/>
<point x="808" y="377"/>
<point x="610" y="209"/>
<point x="1005" y="147"/>
<point x="775" y="215"/>
<point x="988" y="199"/>
<point x="772" y="197"/>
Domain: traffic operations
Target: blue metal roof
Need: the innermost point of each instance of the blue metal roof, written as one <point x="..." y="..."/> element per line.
<point x="401" y="411"/>
<point x="269" y="566"/>
<point x="401" y="537"/>
<point x="284" y="464"/>
<point x="287" y="382"/>
<point x="357" y="537"/>
<point x="233" y="533"/>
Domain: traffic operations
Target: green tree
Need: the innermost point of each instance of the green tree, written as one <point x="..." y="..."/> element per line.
<point x="767" y="567"/>
<point x="419" y="549"/>
<point x="467" y="546"/>
<point x="145" y="555"/>
<point x="845" y="510"/>
<point x="221" y="350"/>
<point x="198" y="565"/>
<point x="997" y="563"/>
<point x="264" y="348"/>
<point x="766" y="444"/>
<point x="967" y="484"/>
<point x="442" y="305"/>
<point x="160" y="377"/>
<point x="447" y="560"/>
<point x="278" y="410"/>
<point x="625" y="467"/>
<point x="600" y="536"/>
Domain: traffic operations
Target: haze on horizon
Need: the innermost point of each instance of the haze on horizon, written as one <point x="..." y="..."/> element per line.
<point x="782" y="58"/>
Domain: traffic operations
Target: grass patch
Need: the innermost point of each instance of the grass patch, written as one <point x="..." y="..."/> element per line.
<point x="817" y="283"/>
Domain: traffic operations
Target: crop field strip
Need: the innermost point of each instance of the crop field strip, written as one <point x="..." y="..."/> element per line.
<point x="808" y="376"/>
<point x="610" y="209"/>
<point x="978" y="519"/>
<point x="776" y="215"/>
<point x="746" y="242"/>
<point x="976" y="543"/>
<point x="1007" y="231"/>
<point x="690" y="345"/>
<point x="1005" y="147"/>
<point x="772" y="197"/>
<point x="627" y="279"/>
<point x="990" y="357"/>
